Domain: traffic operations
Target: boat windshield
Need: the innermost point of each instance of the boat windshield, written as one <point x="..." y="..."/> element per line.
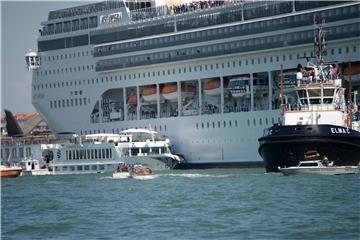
<point x="309" y="164"/>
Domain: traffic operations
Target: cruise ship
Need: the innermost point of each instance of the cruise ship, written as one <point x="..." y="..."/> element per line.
<point x="204" y="74"/>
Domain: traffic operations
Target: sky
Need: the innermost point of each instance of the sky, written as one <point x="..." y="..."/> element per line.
<point x="20" y="21"/>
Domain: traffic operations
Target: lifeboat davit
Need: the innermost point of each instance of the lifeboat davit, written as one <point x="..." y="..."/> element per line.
<point x="133" y="100"/>
<point x="170" y="91"/>
<point x="212" y="87"/>
<point x="149" y="94"/>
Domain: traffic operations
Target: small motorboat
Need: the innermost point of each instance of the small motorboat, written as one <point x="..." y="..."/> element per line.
<point x="138" y="171"/>
<point x="122" y="171"/>
<point x="34" y="167"/>
<point x="319" y="167"/>
<point x="10" y="171"/>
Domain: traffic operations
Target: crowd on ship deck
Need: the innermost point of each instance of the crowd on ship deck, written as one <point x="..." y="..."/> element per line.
<point x="177" y="9"/>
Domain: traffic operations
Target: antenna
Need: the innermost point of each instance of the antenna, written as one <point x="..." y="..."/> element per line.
<point x="319" y="42"/>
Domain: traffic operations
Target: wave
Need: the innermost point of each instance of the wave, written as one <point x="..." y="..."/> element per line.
<point x="194" y="175"/>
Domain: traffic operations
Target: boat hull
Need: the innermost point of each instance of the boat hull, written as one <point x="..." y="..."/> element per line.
<point x="10" y="173"/>
<point x="322" y="171"/>
<point x="286" y="146"/>
<point x="121" y="175"/>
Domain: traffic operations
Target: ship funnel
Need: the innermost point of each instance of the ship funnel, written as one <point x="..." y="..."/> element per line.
<point x="33" y="60"/>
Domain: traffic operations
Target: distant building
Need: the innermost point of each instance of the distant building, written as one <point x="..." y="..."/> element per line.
<point x="29" y="124"/>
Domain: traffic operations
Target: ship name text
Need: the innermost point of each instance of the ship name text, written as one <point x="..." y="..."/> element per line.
<point x="340" y="130"/>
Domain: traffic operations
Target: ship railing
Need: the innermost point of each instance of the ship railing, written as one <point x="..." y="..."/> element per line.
<point x="210" y="109"/>
<point x="86" y="9"/>
<point x="148" y="115"/>
<point x="314" y="107"/>
<point x="168" y="114"/>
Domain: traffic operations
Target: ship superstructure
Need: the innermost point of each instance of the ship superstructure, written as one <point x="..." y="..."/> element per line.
<point x="204" y="74"/>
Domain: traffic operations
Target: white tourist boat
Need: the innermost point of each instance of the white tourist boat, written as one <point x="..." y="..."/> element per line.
<point x="94" y="153"/>
<point x="93" y="63"/>
<point x="98" y="153"/>
<point x="319" y="167"/>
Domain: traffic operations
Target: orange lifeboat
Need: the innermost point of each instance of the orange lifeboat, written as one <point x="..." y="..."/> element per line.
<point x="133" y="100"/>
<point x="149" y="94"/>
<point x="169" y="91"/>
<point x="212" y="87"/>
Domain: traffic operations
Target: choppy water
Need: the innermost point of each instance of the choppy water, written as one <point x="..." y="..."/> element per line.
<point x="196" y="204"/>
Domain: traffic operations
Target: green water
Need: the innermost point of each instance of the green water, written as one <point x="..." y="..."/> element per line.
<point x="192" y="204"/>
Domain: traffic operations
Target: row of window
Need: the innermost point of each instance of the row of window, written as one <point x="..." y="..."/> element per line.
<point x="79" y="154"/>
<point x="65" y="70"/>
<point x="230" y="123"/>
<point x="190" y="69"/>
<point x="100" y="167"/>
<point x="225" y="32"/>
<point x="241" y="46"/>
<point x="15" y="152"/>
<point x="225" y="15"/>
<point x="64" y="103"/>
<point x="67" y="55"/>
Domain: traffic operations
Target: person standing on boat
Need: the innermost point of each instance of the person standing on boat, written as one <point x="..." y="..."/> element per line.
<point x="299" y="74"/>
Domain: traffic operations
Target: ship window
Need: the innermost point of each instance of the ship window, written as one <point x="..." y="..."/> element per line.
<point x="328" y="92"/>
<point x="354" y="48"/>
<point x="224" y="124"/>
<point x="236" y="123"/>
<point x="260" y="121"/>
<point x="207" y="124"/>
<point x="314" y="92"/>
<point x="339" y="51"/>
<point x="79" y="168"/>
<point x="51" y="104"/>
<point x="254" y="122"/>
<point x="266" y="121"/>
<point x="229" y="123"/>
<point x="202" y="125"/>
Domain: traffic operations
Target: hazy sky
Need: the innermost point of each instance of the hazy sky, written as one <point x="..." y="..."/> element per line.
<point x="20" y="21"/>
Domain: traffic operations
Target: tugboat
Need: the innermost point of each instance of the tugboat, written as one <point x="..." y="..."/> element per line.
<point x="320" y="124"/>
